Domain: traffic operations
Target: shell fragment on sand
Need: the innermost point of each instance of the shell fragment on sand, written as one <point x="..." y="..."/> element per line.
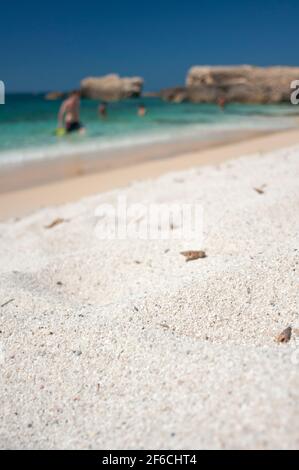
<point x="193" y="254"/>
<point x="285" y="335"/>
<point x="55" y="222"/>
<point x="259" y="190"/>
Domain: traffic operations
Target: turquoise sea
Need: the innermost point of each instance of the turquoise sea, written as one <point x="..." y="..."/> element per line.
<point x="27" y="124"/>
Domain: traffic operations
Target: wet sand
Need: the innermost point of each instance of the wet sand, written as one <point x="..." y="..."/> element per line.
<point x="26" y="188"/>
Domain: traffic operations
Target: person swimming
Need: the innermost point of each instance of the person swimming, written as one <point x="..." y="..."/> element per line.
<point x="69" y="113"/>
<point x="141" y="110"/>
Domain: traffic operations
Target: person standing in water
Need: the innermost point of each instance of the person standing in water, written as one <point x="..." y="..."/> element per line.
<point x="69" y="113"/>
<point x="103" y="110"/>
<point x="221" y="102"/>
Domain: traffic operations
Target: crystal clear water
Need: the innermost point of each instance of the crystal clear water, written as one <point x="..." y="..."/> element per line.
<point x="28" y="122"/>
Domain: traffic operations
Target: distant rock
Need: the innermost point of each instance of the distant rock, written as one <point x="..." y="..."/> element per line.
<point x="151" y="94"/>
<point x="243" y="84"/>
<point x="175" y="94"/>
<point x="111" y="87"/>
<point x="54" y="95"/>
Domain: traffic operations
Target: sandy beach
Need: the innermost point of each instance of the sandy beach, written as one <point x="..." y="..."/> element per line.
<point x="149" y="231"/>
<point x="121" y="344"/>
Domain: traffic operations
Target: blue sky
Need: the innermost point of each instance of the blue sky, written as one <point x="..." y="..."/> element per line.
<point x="52" y="45"/>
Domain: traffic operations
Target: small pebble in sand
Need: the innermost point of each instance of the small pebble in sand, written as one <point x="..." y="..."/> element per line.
<point x="77" y="353"/>
<point x="285" y="335"/>
<point x="192" y="255"/>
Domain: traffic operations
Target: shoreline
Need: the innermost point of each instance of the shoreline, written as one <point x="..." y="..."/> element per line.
<point x="28" y="174"/>
<point x="58" y="182"/>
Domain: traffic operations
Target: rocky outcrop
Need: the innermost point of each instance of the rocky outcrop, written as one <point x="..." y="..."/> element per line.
<point x="151" y="94"/>
<point x="54" y="95"/>
<point x="111" y="87"/>
<point x="244" y="84"/>
<point x="175" y="94"/>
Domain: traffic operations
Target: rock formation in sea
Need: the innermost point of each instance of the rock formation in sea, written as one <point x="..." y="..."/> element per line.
<point x="243" y="84"/>
<point x="111" y="87"/>
<point x="151" y="94"/>
<point x="175" y="94"/>
<point x="54" y="95"/>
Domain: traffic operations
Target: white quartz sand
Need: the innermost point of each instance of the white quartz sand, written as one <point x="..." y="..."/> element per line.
<point x="122" y="344"/>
